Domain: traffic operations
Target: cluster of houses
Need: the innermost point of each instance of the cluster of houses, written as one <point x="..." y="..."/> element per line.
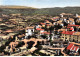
<point x="63" y="28"/>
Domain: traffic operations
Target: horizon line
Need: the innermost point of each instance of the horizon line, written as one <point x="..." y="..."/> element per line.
<point x="42" y="7"/>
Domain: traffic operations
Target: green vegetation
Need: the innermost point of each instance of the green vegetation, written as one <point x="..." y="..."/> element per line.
<point x="33" y="11"/>
<point x="57" y="11"/>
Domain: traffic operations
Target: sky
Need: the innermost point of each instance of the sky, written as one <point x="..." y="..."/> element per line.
<point x="41" y="3"/>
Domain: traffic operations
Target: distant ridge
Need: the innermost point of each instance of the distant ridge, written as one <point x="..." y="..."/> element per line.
<point x="15" y="7"/>
<point x="24" y="10"/>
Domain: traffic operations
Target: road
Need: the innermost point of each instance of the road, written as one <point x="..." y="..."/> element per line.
<point x="58" y="48"/>
<point x="24" y="52"/>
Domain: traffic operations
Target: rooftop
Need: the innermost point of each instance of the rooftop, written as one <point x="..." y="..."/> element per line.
<point x="66" y="14"/>
<point x="42" y="23"/>
<point x="45" y="32"/>
<point x="68" y="32"/>
<point x="73" y="25"/>
<point x="39" y="29"/>
<point x="72" y="47"/>
<point x="30" y="27"/>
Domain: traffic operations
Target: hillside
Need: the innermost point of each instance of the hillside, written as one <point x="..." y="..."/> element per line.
<point x="15" y="7"/>
<point x="24" y="10"/>
<point x="32" y="11"/>
<point x="57" y="10"/>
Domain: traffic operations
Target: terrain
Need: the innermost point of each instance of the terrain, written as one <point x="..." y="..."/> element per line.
<point x="32" y="11"/>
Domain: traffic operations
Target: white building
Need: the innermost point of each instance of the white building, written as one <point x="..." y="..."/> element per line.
<point x="77" y="15"/>
<point x="38" y="26"/>
<point x="29" y="31"/>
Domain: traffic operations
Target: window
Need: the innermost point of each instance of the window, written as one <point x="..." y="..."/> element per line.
<point x="65" y="38"/>
<point x="31" y="30"/>
<point x="69" y="39"/>
<point x="70" y="35"/>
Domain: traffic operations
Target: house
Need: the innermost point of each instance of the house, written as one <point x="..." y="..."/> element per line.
<point x="75" y="27"/>
<point x="71" y="36"/>
<point x="78" y="16"/>
<point x="38" y="26"/>
<point x="39" y="31"/>
<point x="48" y="22"/>
<point x="43" y="24"/>
<point x="48" y="26"/>
<point x="48" y="35"/>
<point x="29" y="31"/>
<point x="1" y="19"/>
<point x="71" y="33"/>
<point x="16" y="14"/>
<point x="72" y="49"/>
<point x="66" y="15"/>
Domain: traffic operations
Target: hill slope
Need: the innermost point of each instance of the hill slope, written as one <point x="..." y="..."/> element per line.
<point x="32" y="11"/>
<point x="15" y="7"/>
<point x="57" y="11"/>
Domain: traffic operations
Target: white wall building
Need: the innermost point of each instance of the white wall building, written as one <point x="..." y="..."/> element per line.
<point x="29" y="31"/>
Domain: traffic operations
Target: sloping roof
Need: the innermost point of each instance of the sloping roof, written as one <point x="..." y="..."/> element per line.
<point x="78" y="16"/>
<point x="71" y="28"/>
<point x="48" y="24"/>
<point x="42" y="23"/>
<point x="73" y="25"/>
<point x="9" y="31"/>
<point x="72" y="47"/>
<point x="76" y="33"/>
<point x="45" y="32"/>
<point x="55" y="17"/>
<point x="61" y="29"/>
<point x="40" y="26"/>
<point x="68" y="32"/>
<point x="39" y="29"/>
<point x="66" y="14"/>
<point x="30" y="27"/>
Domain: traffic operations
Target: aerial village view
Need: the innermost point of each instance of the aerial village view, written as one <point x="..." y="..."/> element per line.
<point x="39" y="28"/>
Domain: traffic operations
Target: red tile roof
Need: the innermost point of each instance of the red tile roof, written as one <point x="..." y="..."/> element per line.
<point x="68" y="32"/>
<point x="71" y="28"/>
<point x="71" y="47"/>
<point x="42" y="23"/>
<point x="48" y="24"/>
<point x="45" y="32"/>
<point x="76" y="48"/>
<point x="73" y="25"/>
<point x="31" y="27"/>
<point x="39" y="29"/>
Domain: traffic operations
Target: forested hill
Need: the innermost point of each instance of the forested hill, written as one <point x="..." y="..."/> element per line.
<point x="33" y="11"/>
<point x="57" y="10"/>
